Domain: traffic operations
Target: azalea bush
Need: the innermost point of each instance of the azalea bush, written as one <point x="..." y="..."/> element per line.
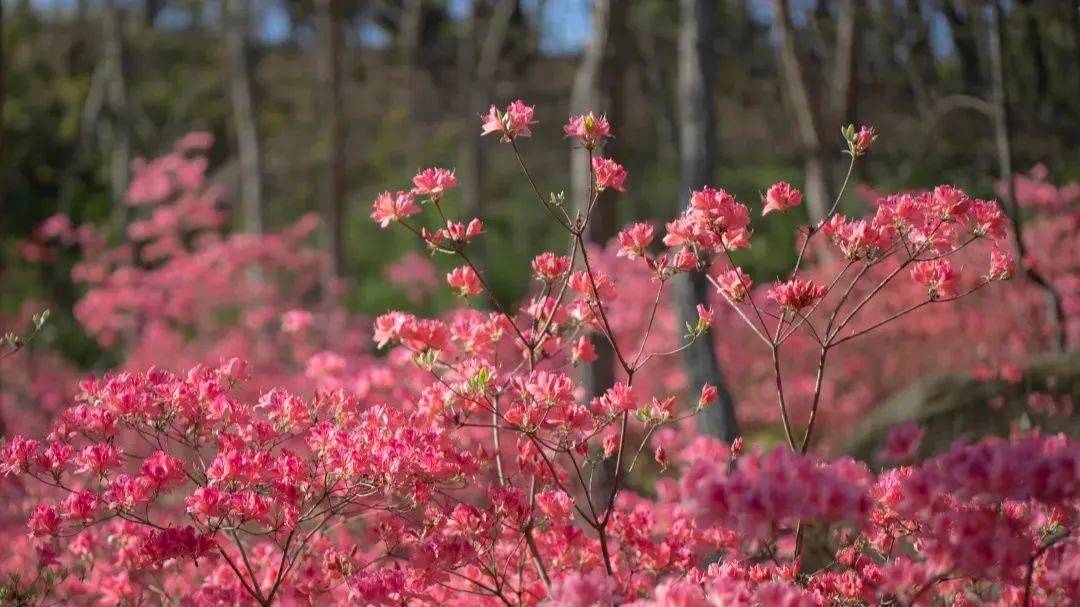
<point x="468" y="465"/>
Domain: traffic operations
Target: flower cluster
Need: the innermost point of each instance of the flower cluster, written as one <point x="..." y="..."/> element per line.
<point x="469" y="465"/>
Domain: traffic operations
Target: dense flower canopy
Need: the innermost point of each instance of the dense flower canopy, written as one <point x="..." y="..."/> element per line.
<point x="466" y="463"/>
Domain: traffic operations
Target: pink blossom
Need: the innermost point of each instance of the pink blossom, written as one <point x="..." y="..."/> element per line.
<point x="549" y="266"/>
<point x="583" y="351"/>
<point x="433" y="182"/>
<point x="589" y="128"/>
<point x="1002" y="266"/>
<point x="295" y="321"/>
<point x="705" y="316"/>
<point x="80" y="506"/>
<point x="796" y="294"/>
<point x="634" y="239"/>
<point x="459" y="232"/>
<point x="555" y="504"/>
<point x="576" y="589"/>
<point x="617" y="399"/>
<point x="734" y="285"/>
<point x="512" y="123"/>
<point x="609" y="174"/>
<point x="903" y="442"/>
<point x="660" y="457"/>
<point x="162" y="470"/>
<point x="604" y="285"/>
<point x="16" y="455"/>
<point x="99" y="458"/>
<point x="389" y="208"/>
<point x="684" y="260"/>
<point x="465" y="280"/>
<point x="860" y="140"/>
<point x="950" y="202"/>
<point x="44" y="520"/>
<point x="781" y="197"/>
<point x="126" y="492"/>
<point x="709" y="394"/>
<point x="937" y="276"/>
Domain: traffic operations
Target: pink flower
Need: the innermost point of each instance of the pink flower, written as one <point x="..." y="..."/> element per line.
<point x="555" y="504"/>
<point x="209" y="502"/>
<point x="16" y="455"/>
<point x="80" y="506"/>
<point x="321" y="365"/>
<point x="583" y="351"/>
<point x="709" y="394"/>
<point x="588" y="128"/>
<point x="937" y="276"/>
<point x="389" y="208"/>
<point x="459" y="232"/>
<point x="609" y="174"/>
<point x="781" y="197"/>
<point x="99" y="458"/>
<point x="56" y="457"/>
<point x="1002" y="266"/>
<point x="295" y="321"/>
<point x="433" y="182"/>
<point x="705" y="316"/>
<point x="162" y="470"/>
<point x="684" y="260"/>
<point x="549" y="266"/>
<point x="512" y="123"/>
<point x="576" y="589"/>
<point x="903" y="442"/>
<point x="126" y="493"/>
<point x="44" y="520"/>
<point x="660" y="455"/>
<point x="617" y="399"/>
<point x="634" y="239"/>
<point x="734" y="285"/>
<point x="465" y="280"/>
<point x="987" y="219"/>
<point x="796" y="294"/>
<point x="605" y="287"/>
<point x="390" y="326"/>
<point x="950" y="202"/>
<point x="859" y="141"/>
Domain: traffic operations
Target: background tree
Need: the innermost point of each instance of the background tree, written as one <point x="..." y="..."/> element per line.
<point x="118" y="125"/>
<point x="816" y="114"/>
<point x="599" y="86"/>
<point x="330" y="32"/>
<point x="236" y="23"/>
<point x="698" y="156"/>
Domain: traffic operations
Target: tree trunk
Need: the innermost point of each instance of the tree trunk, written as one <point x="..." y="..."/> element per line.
<point x="842" y="95"/>
<point x="698" y="145"/>
<point x="967" y="46"/>
<point x="598" y="86"/>
<point x="922" y="72"/>
<point x="793" y="79"/>
<point x="330" y="32"/>
<point x="119" y="126"/>
<point x="1003" y="140"/>
<point x="479" y="66"/>
<point x="3" y="98"/>
<point x="1074" y="20"/>
<point x="412" y="17"/>
<point x="1041" y="96"/>
<point x="469" y="155"/>
<point x="253" y="212"/>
